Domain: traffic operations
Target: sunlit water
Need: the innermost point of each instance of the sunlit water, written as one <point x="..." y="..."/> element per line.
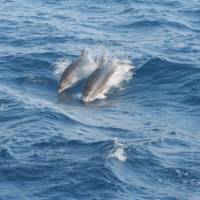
<point x="140" y="142"/>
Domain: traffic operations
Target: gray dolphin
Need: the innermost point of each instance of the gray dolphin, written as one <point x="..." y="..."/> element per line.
<point x="76" y="71"/>
<point x="96" y="83"/>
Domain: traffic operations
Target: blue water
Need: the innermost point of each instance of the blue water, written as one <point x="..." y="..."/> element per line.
<point x="140" y="143"/>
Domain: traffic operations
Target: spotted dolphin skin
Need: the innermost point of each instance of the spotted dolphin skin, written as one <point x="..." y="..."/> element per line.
<point x="73" y="73"/>
<point x="97" y="81"/>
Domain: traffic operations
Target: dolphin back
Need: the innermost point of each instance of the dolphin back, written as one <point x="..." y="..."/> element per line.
<point x="91" y="81"/>
<point x="84" y="53"/>
<point x="102" y="60"/>
<point x="97" y="81"/>
<point x="69" y="70"/>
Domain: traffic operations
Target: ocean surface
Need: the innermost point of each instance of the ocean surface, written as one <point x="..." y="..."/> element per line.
<point x="142" y="142"/>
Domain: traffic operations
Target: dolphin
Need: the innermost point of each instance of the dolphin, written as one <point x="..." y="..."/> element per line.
<point x="77" y="70"/>
<point x="97" y="81"/>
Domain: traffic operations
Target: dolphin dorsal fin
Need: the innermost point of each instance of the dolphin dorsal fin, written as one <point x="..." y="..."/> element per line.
<point x="84" y="52"/>
<point x="102" y="59"/>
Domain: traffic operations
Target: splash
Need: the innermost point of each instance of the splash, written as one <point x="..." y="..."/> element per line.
<point x="123" y="73"/>
<point x="118" y="151"/>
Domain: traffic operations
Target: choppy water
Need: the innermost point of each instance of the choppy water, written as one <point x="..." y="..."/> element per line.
<point x="140" y="143"/>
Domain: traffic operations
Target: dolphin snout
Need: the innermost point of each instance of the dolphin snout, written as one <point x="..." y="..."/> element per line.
<point x="60" y="90"/>
<point x="63" y="86"/>
<point x="87" y="98"/>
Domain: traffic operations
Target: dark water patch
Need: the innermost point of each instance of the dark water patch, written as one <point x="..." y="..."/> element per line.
<point x="7" y="1"/>
<point x="181" y="26"/>
<point x="17" y="42"/>
<point x="58" y="141"/>
<point x="129" y="10"/>
<point x="173" y="142"/>
<point x="162" y="72"/>
<point x="7" y="23"/>
<point x="23" y="173"/>
<point x="75" y="187"/>
<point x="11" y="113"/>
<point x="182" y="176"/>
<point x="191" y="12"/>
<point x="90" y="150"/>
<point x="159" y="25"/>
<point x="97" y="175"/>
<point x="140" y="157"/>
<point x="24" y="61"/>
<point x="192" y="100"/>
<point x="143" y="24"/>
<point x="172" y="3"/>
<point x="5" y="153"/>
<point x="47" y="56"/>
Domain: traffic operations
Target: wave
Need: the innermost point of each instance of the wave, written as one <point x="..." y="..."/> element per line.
<point x="161" y="72"/>
<point x="47" y="108"/>
<point x="181" y="176"/>
<point x="194" y="12"/>
<point x="118" y="151"/>
<point x="150" y="24"/>
<point x="142" y="24"/>
<point x="160" y="82"/>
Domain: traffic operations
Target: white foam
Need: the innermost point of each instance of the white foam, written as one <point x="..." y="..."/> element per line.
<point x="118" y="151"/>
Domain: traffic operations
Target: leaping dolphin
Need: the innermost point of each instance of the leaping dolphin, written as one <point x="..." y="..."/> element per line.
<point x="97" y="81"/>
<point x="77" y="70"/>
